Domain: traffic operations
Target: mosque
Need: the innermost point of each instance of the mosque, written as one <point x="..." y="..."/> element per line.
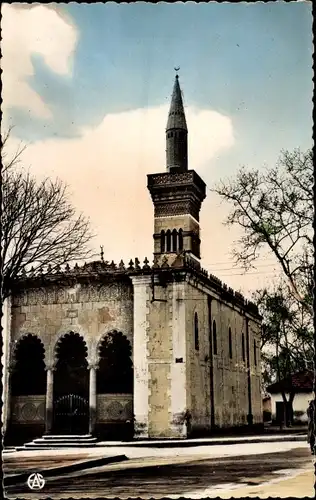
<point x="136" y="350"/>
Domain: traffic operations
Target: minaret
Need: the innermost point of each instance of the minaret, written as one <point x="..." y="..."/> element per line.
<point x="177" y="194"/>
<point x="177" y="133"/>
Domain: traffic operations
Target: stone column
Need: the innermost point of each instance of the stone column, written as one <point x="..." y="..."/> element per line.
<point x="7" y="400"/>
<point x="7" y="364"/>
<point x="49" y="399"/>
<point x="141" y="286"/>
<point x="92" y="397"/>
<point x="178" y="391"/>
<point x="250" y="415"/>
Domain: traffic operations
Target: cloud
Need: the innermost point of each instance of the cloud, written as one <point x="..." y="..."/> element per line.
<point x="106" y="168"/>
<point x="27" y="31"/>
<point x="106" y="171"/>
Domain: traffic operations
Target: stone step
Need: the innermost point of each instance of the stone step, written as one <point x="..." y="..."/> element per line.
<point x="48" y="439"/>
<point x="67" y="436"/>
<point x="49" y="446"/>
<point x="59" y="441"/>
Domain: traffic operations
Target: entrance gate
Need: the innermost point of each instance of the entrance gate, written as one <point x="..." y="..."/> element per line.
<point x="71" y="414"/>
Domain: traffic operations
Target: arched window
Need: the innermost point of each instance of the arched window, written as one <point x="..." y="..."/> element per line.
<point x="230" y="343"/>
<point x="174" y="240"/>
<point x="214" y="337"/>
<point x="243" y="347"/>
<point x="28" y="375"/>
<point x="180" y="240"/>
<point x="115" y="374"/>
<point x="196" y="332"/>
<point x="162" y="241"/>
<point x="168" y="240"/>
<point x="71" y="375"/>
<point x="195" y="244"/>
<point x="255" y="352"/>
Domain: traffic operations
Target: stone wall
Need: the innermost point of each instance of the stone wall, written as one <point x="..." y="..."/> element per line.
<point x="171" y="376"/>
<point x="198" y="368"/>
<point x="178" y="369"/>
<point x="28" y="409"/>
<point x="256" y="396"/>
<point x="110" y="408"/>
<point x="185" y="222"/>
<point x="114" y="408"/>
<point x="159" y="362"/>
<point x="230" y="381"/>
<point x="5" y="360"/>
<point x="230" y="375"/>
<point x="159" y="358"/>
<point x="230" y="378"/>
<point x="90" y="310"/>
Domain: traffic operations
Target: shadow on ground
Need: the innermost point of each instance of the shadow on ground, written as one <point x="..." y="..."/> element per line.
<point x="173" y="479"/>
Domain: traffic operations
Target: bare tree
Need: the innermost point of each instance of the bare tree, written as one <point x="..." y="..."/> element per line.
<point x="275" y="209"/>
<point x="39" y="226"/>
<point x="287" y="340"/>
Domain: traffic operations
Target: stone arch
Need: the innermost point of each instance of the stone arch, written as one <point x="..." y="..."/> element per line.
<point x="52" y="357"/>
<point x="115" y="366"/>
<point x="71" y="364"/>
<point x="65" y="335"/>
<point x="28" y="375"/>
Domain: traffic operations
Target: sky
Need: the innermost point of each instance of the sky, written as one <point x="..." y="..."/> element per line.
<point x="87" y="88"/>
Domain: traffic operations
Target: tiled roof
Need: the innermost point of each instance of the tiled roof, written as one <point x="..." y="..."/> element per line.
<point x="301" y="382"/>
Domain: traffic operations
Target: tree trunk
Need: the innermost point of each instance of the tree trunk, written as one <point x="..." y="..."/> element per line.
<point x="285" y="404"/>
<point x="282" y="423"/>
<point x="291" y="399"/>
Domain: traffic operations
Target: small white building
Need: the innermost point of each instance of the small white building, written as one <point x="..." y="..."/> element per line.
<point x="301" y="386"/>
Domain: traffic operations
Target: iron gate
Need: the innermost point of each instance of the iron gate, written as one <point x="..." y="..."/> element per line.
<point x="71" y="414"/>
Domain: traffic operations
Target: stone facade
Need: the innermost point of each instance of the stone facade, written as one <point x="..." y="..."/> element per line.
<point x="181" y="387"/>
<point x="178" y="376"/>
<point x="90" y="310"/>
<point x="194" y="342"/>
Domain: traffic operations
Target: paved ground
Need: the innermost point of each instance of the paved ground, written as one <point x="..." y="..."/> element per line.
<point x="299" y="486"/>
<point x="174" y="443"/>
<point x="225" y="471"/>
<point x="16" y="464"/>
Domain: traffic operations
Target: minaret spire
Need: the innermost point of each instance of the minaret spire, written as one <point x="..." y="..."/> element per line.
<point x="177" y="132"/>
<point x="177" y="195"/>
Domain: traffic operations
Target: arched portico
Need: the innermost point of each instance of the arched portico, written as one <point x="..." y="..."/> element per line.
<point x="27" y="387"/>
<point x="68" y="381"/>
<point x="114" y="386"/>
<point x="28" y="367"/>
<point x="115" y="366"/>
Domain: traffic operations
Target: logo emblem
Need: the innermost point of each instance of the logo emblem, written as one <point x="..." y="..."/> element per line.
<point x="36" y="481"/>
